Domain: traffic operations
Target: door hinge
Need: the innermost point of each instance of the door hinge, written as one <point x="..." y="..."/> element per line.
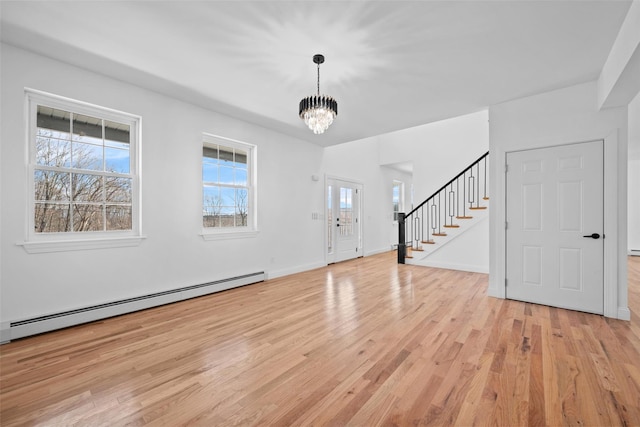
<point x="506" y="225"/>
<point x="505" y="283"/>
<point x="506" y="168"/>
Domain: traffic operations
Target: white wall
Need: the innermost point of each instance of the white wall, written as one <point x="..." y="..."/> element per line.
<point x="174" y="254"/>
<point x="437" y="152"/>
<point x="358" y="161"/>
<point x="559" y="117"/>
<point x="634" y="175"/>
<point x="467" y="252"/>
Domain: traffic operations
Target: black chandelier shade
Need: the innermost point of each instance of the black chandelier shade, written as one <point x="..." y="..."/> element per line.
<point x="318" y="101"/>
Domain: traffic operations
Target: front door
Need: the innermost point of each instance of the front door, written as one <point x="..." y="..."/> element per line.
<point x="555" y="223"/>
<point x="343" y="225"/>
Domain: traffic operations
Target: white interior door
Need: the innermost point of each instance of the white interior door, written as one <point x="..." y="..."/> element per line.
<point x="343" y="225"/>
<point x="555" y="223"/>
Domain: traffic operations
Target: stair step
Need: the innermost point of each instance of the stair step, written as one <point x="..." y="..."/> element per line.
<point x="475" y="208"/>
<point x="418" y="249"/>
<point x="428" y="242"/>
<point x="485" y="198"/>
<point x="439" y="234"/>
<point x="464" y="217"/>
<point x="452" y="226"/>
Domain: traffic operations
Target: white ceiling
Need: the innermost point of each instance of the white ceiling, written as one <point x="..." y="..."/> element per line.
<point x="389" y="64"/>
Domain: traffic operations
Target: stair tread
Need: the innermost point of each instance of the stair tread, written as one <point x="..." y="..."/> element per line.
<point x="452" y="226"/>
<point x="429" y="242"/>
<point x="475" y="208"/>
<point x="439" y="234"/>
<point x="464" y="217"/>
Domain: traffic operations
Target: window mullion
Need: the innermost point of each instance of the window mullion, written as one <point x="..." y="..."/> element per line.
<point x="68" y="160"/>
<point x="71" y="203"/>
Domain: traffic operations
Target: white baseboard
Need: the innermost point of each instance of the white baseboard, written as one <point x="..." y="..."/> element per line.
<point x="293" y="270"/>
<point x="634" y="252"/>
<point x="380" y="251"/>
<point x="454" y="266"/>
<point x="624" y="313"/>
<point x="492" y="292"/>
<point x="5" y="334"/>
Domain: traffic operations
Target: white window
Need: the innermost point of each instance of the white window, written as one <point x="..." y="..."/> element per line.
<point x="83" y="175"/>
<point x="397" y="198"/>
<point x="228" y="187"/>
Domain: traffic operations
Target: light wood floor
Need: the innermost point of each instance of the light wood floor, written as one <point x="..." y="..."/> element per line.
<point x="361" y="343"/>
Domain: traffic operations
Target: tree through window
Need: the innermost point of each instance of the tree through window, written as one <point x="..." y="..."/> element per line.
<point x="82" y="166"/>
<point x="226" y="184"/>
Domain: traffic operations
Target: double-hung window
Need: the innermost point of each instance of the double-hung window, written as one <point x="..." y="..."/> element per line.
<point x="228" y="187"/>
<point x="83" y="174"/>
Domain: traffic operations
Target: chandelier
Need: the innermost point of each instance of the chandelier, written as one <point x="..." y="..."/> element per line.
<point x="318" y="111"/>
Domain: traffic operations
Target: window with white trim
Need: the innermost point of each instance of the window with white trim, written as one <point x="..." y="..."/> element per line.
<point x="228" y="185"/>
<point x="83" y="173"/>
<point x="397" y="198"/>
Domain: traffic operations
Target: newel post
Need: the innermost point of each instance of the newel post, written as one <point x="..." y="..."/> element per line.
<point x="401" y="238"/>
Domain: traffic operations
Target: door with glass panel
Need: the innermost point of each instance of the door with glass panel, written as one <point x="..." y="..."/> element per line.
<point x="344" y="227"/>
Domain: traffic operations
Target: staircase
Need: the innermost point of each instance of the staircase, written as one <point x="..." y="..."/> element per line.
<point x="449" y="212"/>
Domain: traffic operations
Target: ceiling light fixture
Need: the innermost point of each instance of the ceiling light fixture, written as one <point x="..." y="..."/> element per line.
<point x="318" y="111"/>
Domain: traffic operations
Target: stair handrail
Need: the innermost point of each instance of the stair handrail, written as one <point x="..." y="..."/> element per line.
<point x="402" y="217"/>
<point x="447" y="184"/>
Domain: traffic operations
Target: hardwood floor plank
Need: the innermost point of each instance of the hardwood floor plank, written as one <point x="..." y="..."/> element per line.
<point x="366" y="342"/>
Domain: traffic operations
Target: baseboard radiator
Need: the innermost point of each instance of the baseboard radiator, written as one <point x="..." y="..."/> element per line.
<point x="50" y="322"/>
<point x="634" y="252"/>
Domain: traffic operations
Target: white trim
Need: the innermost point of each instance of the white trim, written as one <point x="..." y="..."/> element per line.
<point x="226" y="235"/>
<point x="454" y="266"/>
<point x="62" y="241"/>
<point x="218" y="233"/>
<point x="497" y="263"/>
<point x="611" y="225"/>
<point x="328" y="177"/>
<point x="80" y="245"/>
<point x="400" y="197"/>
<point x="380" y="251"/>
<point x="624" y="313"/>
<point x="5" y="333"/>
<point x="293" y="270"/>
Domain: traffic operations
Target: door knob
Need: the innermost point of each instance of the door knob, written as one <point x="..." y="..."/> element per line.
<point x="593" y="236"/>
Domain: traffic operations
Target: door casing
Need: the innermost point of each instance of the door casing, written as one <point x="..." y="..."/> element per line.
<point x="554" y="230"/>
<point x="360" y="185"/>
<point x="497" y="265"/>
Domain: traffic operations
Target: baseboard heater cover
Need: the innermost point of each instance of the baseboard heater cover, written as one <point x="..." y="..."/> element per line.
<point x="50" y="322"/>
<point x="634" y="252"/>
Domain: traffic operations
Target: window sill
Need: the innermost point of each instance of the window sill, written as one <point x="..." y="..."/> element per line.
<point x="80" y="245"/>
<point x="226" y="235"/>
